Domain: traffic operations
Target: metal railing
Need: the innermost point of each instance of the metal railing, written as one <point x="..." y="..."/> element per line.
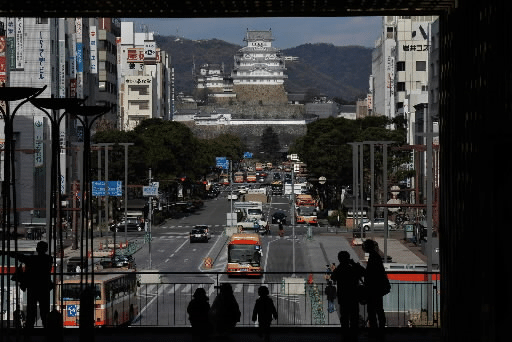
<point x="162" y="301"/>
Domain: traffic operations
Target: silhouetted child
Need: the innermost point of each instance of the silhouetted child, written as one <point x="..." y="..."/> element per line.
<point x="330" y="292"/>
<point x="264" y="310"/>
<point x="197" y="310"/>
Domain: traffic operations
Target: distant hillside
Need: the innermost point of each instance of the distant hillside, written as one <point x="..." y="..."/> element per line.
<point x="336" y="71"/>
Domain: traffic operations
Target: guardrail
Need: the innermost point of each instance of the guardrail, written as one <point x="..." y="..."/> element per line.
<point x="162" y="298"/>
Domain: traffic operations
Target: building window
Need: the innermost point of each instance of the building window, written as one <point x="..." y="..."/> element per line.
<point x="399" y="105"/>
<point x="400" y="66"/>
<point x="42" y="21"/>
<point x="400" y="86"/>
<point x="421" y="66"/>
<point x="102" y="86"/>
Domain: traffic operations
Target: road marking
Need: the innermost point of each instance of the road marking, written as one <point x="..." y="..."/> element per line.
<point x="174" y="288"/>
<point x="186" y="288"/>
<point x="250" y="289"/>
<point x="151" y="301"/>
<point x="238" y="288"/>
<point x="183" y="244"/>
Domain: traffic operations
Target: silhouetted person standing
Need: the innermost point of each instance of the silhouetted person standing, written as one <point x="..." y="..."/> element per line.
<point x="197" y="310"/>
<point x="347" y="276"/>
<point x="37" y="281"/>
<point x="264" y="310"/>
<point x="225" y="312"/>
<point x="377" y="285"/>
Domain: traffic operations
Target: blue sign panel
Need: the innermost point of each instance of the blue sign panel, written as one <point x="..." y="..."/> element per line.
<point x="222" y="162"/>
<point x="115" y="188"/>
<point x="73" y="310"/>
<point x="247" y="155"/>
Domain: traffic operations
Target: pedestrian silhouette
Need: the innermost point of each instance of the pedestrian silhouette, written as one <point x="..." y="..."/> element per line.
<point x="330" y="292"/>
<point x="197" y="310"/>
<point x="37" y="280"/>
<point x="377" y="285"/>
<point x="264" y="310"/>
<point x="347" y="276"/>
<point x="224" y="313"/>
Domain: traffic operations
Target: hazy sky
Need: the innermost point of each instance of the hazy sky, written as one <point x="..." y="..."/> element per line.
<point x="287" y="32"/>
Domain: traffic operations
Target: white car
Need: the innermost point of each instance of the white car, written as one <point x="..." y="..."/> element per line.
<point x="378" y="224"/>
<point x="232" y="197"/>
<point x="242" y="190"/>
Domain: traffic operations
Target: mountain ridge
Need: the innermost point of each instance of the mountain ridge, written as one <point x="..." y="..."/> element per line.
<point x="322" y="68"/>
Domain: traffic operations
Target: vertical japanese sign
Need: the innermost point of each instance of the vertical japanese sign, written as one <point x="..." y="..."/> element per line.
<point x="79" y="59"/>
<point x="38" y="141"/>
<point x="94" y="49"/>
<point x="150" y="50"/>
<point x="19" y="43"/>
<point x="11" y="43"/>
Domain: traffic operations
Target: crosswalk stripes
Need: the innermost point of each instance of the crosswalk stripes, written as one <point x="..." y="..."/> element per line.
<point x="153" y="289"/>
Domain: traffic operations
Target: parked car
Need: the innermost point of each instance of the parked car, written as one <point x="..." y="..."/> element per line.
<point x="132" y="224"/>
<point x="378" y="224"/>
<point x="118" y="261"/>
<point x="279" y="216"/>
<point x="200" y="233"/>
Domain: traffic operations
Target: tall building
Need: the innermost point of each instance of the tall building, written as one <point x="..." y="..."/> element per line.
<point x="400" y="66"/>
<point x="259" y="71"/>
<point x="56" y="53"/>
<point x="105" y="52"/>
<point x="144" y="78"/>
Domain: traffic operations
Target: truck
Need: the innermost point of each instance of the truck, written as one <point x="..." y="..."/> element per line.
<point x="253" y="218"/>
<point x="277" y="187"/>
<point x="244" y="255"/>
<point x="306" y="214"/>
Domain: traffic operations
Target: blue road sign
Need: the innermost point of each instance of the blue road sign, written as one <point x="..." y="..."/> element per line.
<point x="115" y="188"/>
<point x="222" y="162"/>
<point x="247" y="155"/>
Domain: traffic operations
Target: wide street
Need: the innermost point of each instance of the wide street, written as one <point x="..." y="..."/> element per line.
<point x="172" y="255"/>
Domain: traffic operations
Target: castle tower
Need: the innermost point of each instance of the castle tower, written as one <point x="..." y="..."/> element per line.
<point x="258" y="72"/>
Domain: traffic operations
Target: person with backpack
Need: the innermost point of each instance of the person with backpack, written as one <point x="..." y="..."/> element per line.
<point x="264" y="311"/>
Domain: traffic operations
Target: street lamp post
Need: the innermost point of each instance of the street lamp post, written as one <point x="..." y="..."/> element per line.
<point x="8" y="94"/>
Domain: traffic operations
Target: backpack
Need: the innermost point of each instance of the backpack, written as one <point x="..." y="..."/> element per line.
<point x="20" y="277"/>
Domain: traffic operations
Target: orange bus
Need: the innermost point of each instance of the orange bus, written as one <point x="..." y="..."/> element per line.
<point x="239" y="177"/>
<point x="115" y="298"/>
<point x="251" y="177"/>
<point x="244" y="255"/>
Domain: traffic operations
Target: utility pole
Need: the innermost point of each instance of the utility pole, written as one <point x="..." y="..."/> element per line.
<point x="150" y="214"/>
<point x="126" y="188"/>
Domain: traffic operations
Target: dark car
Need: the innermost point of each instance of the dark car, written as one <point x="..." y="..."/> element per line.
<point x="131" y="225"/>
<point x="279" y="217"/>
<point x="200" y="233"/>
<point x="118" y="261"/>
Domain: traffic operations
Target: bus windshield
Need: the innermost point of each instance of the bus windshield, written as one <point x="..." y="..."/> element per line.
<point x="72" y="292"/>
<point x="244" y="254"/>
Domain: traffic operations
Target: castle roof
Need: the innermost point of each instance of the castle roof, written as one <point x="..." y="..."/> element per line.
<point x="258" y="35"/>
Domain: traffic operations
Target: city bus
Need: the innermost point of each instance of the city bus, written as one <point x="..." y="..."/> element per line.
<point x="115" y="298"/>
<point x="244" y="255"/>
<point x="251" y="177"/>
<point x="239" y="177"/>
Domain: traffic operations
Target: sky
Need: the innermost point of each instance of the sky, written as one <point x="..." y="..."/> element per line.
<point x="287" y="32"/>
